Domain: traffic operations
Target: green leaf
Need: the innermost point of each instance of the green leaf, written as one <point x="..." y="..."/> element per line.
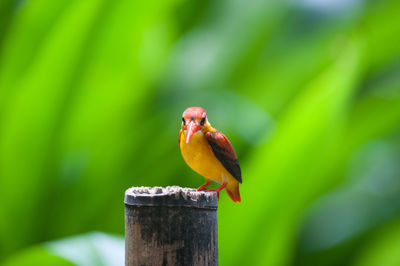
<point x="36" y="108"/>
<point x="94" y="248"/>
<point x="36" y="256"/>
<point x="84" y="250"/>
<point x="382" y="249"/>
<point x="284" y="174"/>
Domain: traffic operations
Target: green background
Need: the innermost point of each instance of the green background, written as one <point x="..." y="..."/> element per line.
<point x="308" y="92"/>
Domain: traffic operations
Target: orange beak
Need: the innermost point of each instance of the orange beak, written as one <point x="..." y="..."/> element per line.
<point x="191" y="128"/>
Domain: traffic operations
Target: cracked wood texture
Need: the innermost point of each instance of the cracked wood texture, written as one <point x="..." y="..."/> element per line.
<point x="170" y="226"/>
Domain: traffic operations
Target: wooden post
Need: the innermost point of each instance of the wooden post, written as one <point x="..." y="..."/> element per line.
<point x="170" y="226"/>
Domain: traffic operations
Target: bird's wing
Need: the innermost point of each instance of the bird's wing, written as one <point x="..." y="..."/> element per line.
<point x="180" y="134"/>
<point x="224" y="152"/>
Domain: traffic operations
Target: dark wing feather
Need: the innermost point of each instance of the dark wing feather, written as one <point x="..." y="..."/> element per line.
<point x="224" y="152"/>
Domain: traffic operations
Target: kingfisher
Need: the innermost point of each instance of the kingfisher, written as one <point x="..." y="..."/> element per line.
<point x="209" y="153"/>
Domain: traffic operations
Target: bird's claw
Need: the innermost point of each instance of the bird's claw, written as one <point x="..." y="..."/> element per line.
<point x="214" y="190"/>
<point x="201" y="188"/>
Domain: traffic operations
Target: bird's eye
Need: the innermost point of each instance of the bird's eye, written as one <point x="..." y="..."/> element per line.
<point x="202" y="121"/>
<point x="183" y="121"/>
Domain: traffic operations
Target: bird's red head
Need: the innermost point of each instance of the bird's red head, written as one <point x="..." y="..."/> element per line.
<point x="193" y="120"/>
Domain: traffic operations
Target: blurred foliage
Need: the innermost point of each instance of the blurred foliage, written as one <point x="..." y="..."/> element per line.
<point x="308" y="91"/>
<point x="87" y="249"/>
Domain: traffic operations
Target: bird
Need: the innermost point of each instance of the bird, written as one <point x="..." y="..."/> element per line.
<point x="209" y="153"/>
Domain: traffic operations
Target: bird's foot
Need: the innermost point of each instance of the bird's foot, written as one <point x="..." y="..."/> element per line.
<point x="204" y="187"/>
<point x="218" y="189"/>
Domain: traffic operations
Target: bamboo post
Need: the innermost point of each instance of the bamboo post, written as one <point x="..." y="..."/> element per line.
<point x="170" y="226"/>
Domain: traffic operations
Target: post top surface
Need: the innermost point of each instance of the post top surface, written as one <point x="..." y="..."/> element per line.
<point x="170" y="196"/>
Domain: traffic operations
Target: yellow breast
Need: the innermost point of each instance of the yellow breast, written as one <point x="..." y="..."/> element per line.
<point x="200" y="157"/>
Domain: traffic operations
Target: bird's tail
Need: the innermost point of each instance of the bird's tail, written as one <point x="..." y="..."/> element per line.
<point x="233" y="192"/>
